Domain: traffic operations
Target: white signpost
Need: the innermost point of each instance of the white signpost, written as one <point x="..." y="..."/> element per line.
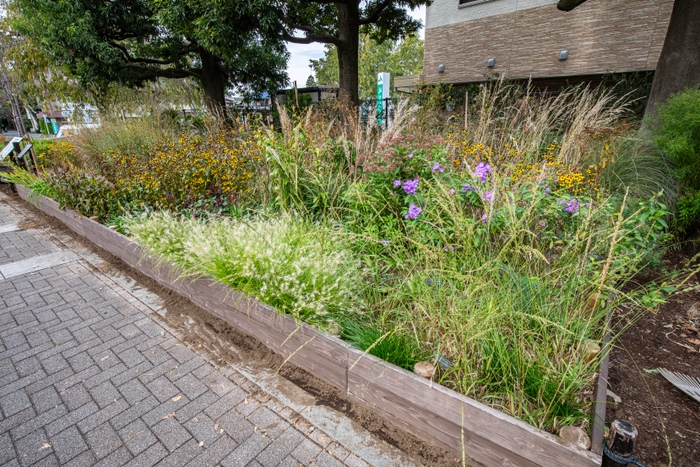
<point x="383" y="92"/>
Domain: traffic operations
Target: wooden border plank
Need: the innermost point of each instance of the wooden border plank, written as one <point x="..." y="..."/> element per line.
<point x="457" y="423"/>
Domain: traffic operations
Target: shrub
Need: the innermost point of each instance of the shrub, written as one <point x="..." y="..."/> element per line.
<point x="676" y="133"/>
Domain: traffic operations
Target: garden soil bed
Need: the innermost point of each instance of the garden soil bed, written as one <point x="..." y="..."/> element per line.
<point x="668" y="420"/>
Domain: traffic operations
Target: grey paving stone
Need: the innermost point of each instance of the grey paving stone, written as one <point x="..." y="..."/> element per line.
<point x="133" y="391"/>
<point x="38" y="421"/>
<point x="196" y="406"/>
<point x="137" y="437"/>
<point x="182" y="455"/>
<point x="214" y="453"/>
<point x="337" y="450"/>
<point x="32" y="448"/>
<point x="68" y="444"/>
<point x="86" y="459"/>
<point x="15" y="402"/>
<point x="280" y="448"/>
<point x="75" y="396"/>
<point x="226" y="403"/>
<point x="134" y="412"/>
<point x="71" y="418"/>
<point x="119" y="457"/>
<point x="354" y="461"/>
<point x="204" y="429"/>
<point x="7" y="450"/>
<point x="46" y="399"/>
<point x="171" y="433"/>
<point x="236" y="425"/>
<point x="268" y="422"/>
<point x="162" y="389"/>
<point x="80" y="361"/>
<point x="101" y="416"/>
<point x="247" y="451"/>
<point x="28" y="366"/>
<point x="103" y="440"/>
<point x="105" y="394"/>
<point x="306" y="451"/>
<point x="326" y="460"/>
<point x="149" y="457"/>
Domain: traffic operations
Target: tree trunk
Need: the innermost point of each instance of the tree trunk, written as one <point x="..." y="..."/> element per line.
<point x="349" y="36"/>
<point x="213" y="83"/>
<point x="679" y="63"/>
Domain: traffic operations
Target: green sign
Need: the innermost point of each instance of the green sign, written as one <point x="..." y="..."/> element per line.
<point x="383" y="83"/>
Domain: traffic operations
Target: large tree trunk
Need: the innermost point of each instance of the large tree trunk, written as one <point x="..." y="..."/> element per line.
<point x="213" y="83"/>
<point x="348" y="48"/>
<point x="679" y="63"/>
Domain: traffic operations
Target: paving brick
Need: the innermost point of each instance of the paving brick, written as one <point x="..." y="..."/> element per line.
<point x="137" y="437"/>
<point x="68" y="444"/>
<point x="32" y="448"/>
<point x="204" y="429"/>
<point x="190" y="386"/>
<point x="7" y="450"/>
<point x="103" y="440"/>
<point x="306" y="451"/>
<point x="268" y="422"/>
<point x="338" y="450"/>
<point x="247" y="451"/>
<point x="86" y="459"/>
<point x="80" y="361"/>
<point x="162" y="389"/>
<point x="354" y="461"/>
<point x="15" y="402"/>
<point x="46" y="399"/>
<point x="171" y="433"/>
<point x="149" y="457"/>
<point x="280" y="448"/>
<point x="71" y="418"/>
<point x="37" y="422"/>
<point x="17" y="419"/>
<point x="226" y="403"/>
<point x="214" y="453"/>
<point x="102" y="416"/>
<point x="235" y="425"/>
<point x="164" y="409"/>
<point x="75" y="396"/>
<point x="119" y="457"/>
<point x="105" y="394"/>
<point x="325" y="459"/>
<point x="182" y="455"/>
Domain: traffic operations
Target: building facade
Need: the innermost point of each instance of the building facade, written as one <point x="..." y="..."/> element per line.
<point x="472" y="40"/>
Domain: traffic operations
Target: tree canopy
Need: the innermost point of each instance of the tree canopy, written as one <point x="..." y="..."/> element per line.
<point x="399" y="58"/>
<point x="129" y="42"/>
<point x="339" y="23"/>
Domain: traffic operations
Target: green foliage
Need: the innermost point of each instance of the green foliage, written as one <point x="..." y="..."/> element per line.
<point x="676" y="133"/>
<point x="394" y="346"/>
<point x="400" y="58"/>
<point x="301" y="270"/>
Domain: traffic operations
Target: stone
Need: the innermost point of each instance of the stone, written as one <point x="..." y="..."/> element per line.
<point x="424" y="369"/>
<point x="576" y="436"/>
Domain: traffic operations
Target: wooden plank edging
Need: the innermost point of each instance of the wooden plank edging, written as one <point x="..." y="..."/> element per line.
<point x="484" y="435"/>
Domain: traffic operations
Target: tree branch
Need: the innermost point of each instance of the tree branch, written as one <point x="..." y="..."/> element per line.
<point x="150" y="72"/>
<point x="374" y="16"/>
<point x="310" y="38"/>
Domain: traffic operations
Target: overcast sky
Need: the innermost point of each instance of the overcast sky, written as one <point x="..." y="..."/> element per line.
<point x="298" y="66"/>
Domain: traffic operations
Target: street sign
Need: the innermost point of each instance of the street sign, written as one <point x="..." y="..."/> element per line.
<point x="383" y="92"/>
<point x="7" y="150"/>
<point x="54" y="126"/>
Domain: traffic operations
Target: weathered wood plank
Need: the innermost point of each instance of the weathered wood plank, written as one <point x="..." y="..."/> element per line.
<point x="600" y="400"/>
<point x="455" y="422"/>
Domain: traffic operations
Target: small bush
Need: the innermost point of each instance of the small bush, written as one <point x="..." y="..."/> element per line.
<point x="676" y="132"/>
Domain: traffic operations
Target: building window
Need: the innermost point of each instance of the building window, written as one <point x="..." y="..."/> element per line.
<point x="465" y="3"/>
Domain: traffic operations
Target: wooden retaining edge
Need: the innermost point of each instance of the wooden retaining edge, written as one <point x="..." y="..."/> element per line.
<point x="600" y="396"/>
<point x="483" y="435"/>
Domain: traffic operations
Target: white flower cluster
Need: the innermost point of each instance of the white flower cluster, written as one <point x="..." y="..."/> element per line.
<point x="301" y="269"/>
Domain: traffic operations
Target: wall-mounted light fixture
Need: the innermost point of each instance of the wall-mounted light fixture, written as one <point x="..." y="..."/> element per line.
<point x="491" y="62"/>
<point x="441" y="68"/>
<point x="563" y="55"/>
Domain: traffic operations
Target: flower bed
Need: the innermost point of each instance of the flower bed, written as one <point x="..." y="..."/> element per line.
<point x="473" y="431"/>
<point x="493" y="252"/>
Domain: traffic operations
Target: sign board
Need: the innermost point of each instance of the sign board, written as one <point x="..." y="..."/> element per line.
<point x="54" y="126"/>
<point x="7" y="150"/>
<point x="383" y="92"/>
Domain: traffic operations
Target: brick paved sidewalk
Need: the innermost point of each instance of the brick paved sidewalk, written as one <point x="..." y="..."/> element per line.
<point x="88" y="377"/>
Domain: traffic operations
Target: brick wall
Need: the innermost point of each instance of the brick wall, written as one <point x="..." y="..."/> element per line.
<point x="600" y="35"/>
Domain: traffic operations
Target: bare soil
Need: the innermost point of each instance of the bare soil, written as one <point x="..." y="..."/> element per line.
<point x="667" y="419"/>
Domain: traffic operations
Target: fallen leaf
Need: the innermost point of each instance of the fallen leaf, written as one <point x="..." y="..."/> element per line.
<point x="104" y="358"/>
<point x="694" y="341"/>
<point x="177" y="398"/>
<point x="201" y="443"/>
<point x="171" y="414"/>
<point x="221" y="431"/>
<point x="245" y="401"/>
<point x="216" y="427"/>
<point x="44" y="446"/>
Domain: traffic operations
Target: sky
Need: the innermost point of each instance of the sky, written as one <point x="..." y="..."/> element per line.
<point x="298" y="66"/>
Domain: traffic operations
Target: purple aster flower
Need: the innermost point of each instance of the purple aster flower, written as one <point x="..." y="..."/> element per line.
<point x="452" y="191"/>
<point x="410" y="156"/>
<point x="482" y="170"/>
<point x="468" y="187"/>
<point x="572" y="206"/>
<point x="410" y="186"/>
<point x="438" y="168"/>
<point x="484" y="218"/>
<point x="397" y="183"/>
<point x="413" y="211"/>
<point x="487" y="197"/>
<point x="543" y="223"/>
<point x="449" y="248"/>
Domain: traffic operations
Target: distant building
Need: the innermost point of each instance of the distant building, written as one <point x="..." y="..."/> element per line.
<point x="469" y="41"/>
<point x="317" y="93"/>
